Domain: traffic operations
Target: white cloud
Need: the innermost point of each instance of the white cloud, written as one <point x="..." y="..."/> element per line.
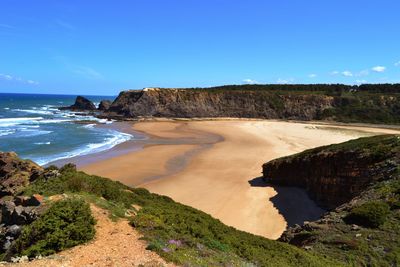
<point x="362" y="73"/>
<point x="335" y="72"/>
<point x="361" y="81"/>
<point x="32" y="82"/>
<point x="347" y="73"/>
<point x="250" y="81"/>
<point x="8" y="77"/>
<point x="6" y="26"/>
<point x="312" y="75"/>
<point x="284" y="81"/>
<point x="65" y="25"/>
<point x="88" y="72"/>
<point x="397" y="64"/>
<point x="379" y="68"/>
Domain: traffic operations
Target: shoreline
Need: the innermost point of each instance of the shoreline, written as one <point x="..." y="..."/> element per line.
<point x="211" y="165"/>
<point x="146" y="138"/>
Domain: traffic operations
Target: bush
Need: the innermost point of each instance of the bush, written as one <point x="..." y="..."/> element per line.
<point x="371" y="214"/>
<point x="65" y="224"/>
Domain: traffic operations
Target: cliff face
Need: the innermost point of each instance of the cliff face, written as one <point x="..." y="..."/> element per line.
<point x="334" y="174"/>
<point x="16" y="173"/>
<point x="363" y="176"/>
<point x="184" y="103"/>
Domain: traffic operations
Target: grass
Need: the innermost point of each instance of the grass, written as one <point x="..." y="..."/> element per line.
<point x="378" y="245"/>
<point x="178" y="233"/>
<point x="377" y="147"/>
<point x="370" y="214"/>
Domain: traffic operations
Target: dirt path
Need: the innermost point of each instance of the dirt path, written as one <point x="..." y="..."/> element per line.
<point x="115" y="244"/>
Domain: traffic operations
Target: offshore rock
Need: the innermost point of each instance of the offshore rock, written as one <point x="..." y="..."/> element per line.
<point x="104" y="105"/>
<point x="81" y="104"/>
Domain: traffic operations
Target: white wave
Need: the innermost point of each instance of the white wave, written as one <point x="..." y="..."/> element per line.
<point x="43" y="143"/>
<point x="104" y="121"/>
<point x="6" y="108"/>
<point x="25" y="132"/>
<point x="6" y="132"/>
<point x="89" y="126"/>
<point x="7" y="122"/>
<point x="51" y="121"/>
<point x="35" y="111"/>
<point x="108" y="143"/>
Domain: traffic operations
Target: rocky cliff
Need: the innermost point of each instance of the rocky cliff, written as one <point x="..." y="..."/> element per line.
<point x="335" y="174"/>
<point x="190" y="103"/>
<point x="16" y="173"/>
<point x="374" y="103"/>
<point x="360" y="181"/>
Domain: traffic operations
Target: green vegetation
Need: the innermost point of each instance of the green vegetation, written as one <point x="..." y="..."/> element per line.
<point x="371" y="214"/>
<point x="65" y="224"/>
<point x="177" y="232"/>
<point x="378" y="148"/>
<point x="366" y="246"/>
<point x="365" y="231"/>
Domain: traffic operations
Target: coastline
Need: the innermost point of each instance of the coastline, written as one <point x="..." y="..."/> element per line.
<point x="214" y="165"/>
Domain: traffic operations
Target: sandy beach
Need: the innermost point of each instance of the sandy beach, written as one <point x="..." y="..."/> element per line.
<point x="215" y="166"/>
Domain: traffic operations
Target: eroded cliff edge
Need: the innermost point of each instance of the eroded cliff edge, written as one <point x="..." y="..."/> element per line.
<point x="359" y="181"/>
<point x="334" y="174"/>
<point x="225" y="103"/>
<point x="366" y="103"/>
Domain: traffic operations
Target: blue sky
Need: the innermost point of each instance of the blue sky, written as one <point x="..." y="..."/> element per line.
<point x="102" y="47"/>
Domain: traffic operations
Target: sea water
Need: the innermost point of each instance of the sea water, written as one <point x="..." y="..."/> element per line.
<point x="34" y="127"/>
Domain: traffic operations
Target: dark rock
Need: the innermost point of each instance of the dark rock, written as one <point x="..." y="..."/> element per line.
<point x="20" y="200"/>
<point x="81" y="104"/>
<point x="104" y="105"/>
<point x="20" y="215"/>
<point x="14" y="230"/>
<point x="50" y="174"/>
<point x="25" y="201"/>
<point x="16" y="173"/>
<point x="34" y="200"/>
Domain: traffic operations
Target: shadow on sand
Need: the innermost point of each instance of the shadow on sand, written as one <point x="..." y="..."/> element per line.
<point x="292" y="202"/>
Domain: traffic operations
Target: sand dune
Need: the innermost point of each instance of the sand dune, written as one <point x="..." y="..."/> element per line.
<point x="214" y="165"/>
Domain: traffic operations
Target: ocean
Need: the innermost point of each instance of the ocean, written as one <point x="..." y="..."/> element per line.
<point x="32" y="126"/>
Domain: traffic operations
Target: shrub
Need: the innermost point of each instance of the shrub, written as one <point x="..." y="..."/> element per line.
<point x="371" y="214"/>
<point x="65" y="224"/>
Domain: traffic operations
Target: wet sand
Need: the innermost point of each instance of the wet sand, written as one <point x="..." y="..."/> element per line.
<point x="215" y="166"/>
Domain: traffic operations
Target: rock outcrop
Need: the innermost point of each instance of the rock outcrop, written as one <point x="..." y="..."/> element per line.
<point x="335" y="174"/>
<point x="191" y="103"/>
<point x="16" y="173"/>
<point x="104" y="105"/>
<point x="81" y="104"/>
<point x="14" y="214"/>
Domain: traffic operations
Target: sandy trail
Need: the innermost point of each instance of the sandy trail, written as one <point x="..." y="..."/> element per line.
<point x="115" y="244"/>
<point x="214" y="165"/>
